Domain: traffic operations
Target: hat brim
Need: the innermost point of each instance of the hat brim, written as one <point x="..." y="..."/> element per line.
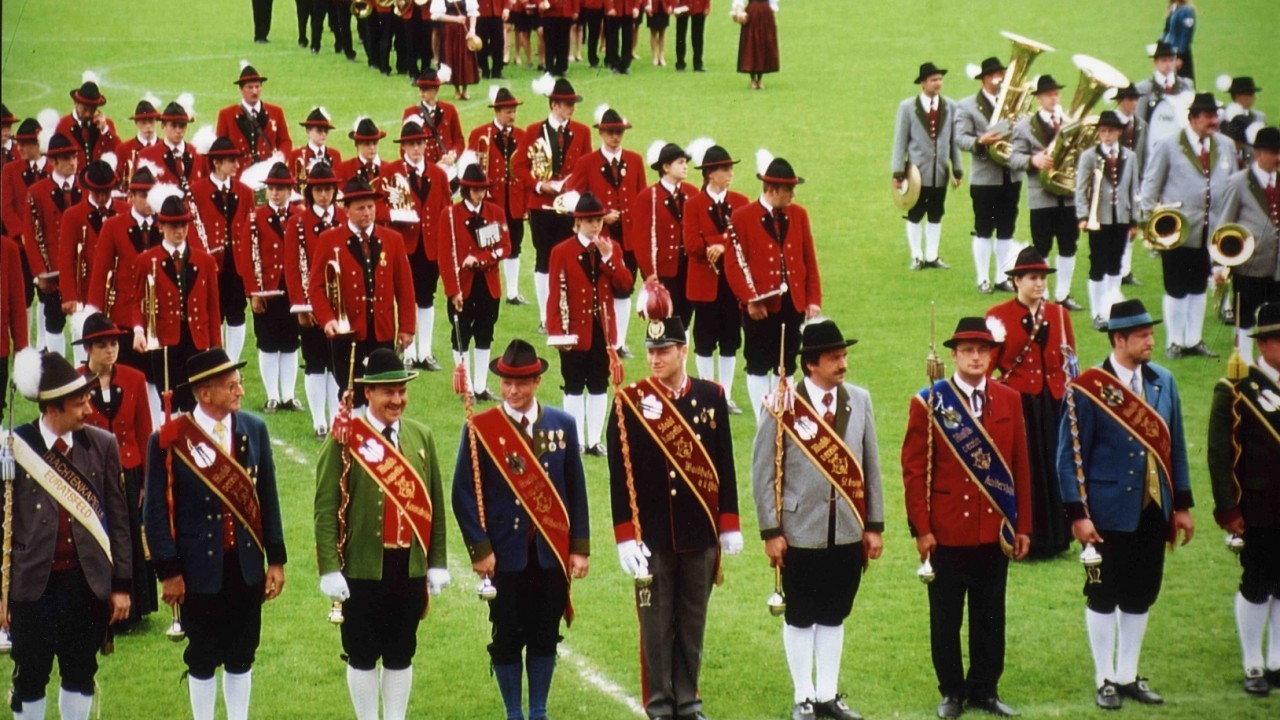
<point x="506" y="103"/>
<point x="716" y="164"/>
<point x="1139" y="322"/>
<point x="250" y="79"/>
<point x="391" y="377"/>
<point x="612" y="126"/>
<point x="348" y="198"/>
<point x="145" y="116"/>
<point x="87" y="340"/>
<point x="1051" y="88"/>
<point x="91" y="102"/>
<point x="1017" y="270"/>
<point x="502" y="370"/>
<point x="780" y="181"/>
<point x="971" y="337"/>
<point x="75" y="387"/>
<point x="366" y="138"/>
<point x="575" y="99"/>
<point x="214" y="371"/>
<point x="1265" y="331"/>
<point x="187" y="119"/>
<point x="937" y="71"/>
<point x="173" y="219"/>
<point x="983" y="73"/>
<point x="827" y="347"/>
<point x="412" y="138"/>
<point x="657" y="165"/>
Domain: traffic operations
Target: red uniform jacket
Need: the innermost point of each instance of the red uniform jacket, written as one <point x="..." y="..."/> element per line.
<point x="267" y="225"/>
<point x="302" y="158"/>
<point x="561" y="9"/>
<point x="1036" y="366"/>
<point x="696" y="7"/>
<point x="616" y="190"/>
<point x="393" y="307"/>
<point x="255" y="141"/>
<point x="442" y="125"/>
<point x="81" y="226"/>
<point x="457" y="240"/>
<point x="120" y="243"/>
<point x="125" y="414"/>
<point x="13" y="300"/>
<point x="106" y="141"/>
<point x="192" y="164"/>
<point x="658" y="215"/>
<point x="431" y="199"/>
<point x="198" y="305"/>
<point x="224" y="215"/>
<point x="570" y="266"/>
<point x="575" y="142"/>
<point x="302" y="247"/>
<point x="45" y="206"/>
<point x="8" y="152"/>
<point x="764" y="258"/>
<point x="957" y="512"/>
<point x="351" y="167"/>
<point x="507" y="160"/>
<point x="16" y="180"/>
<point x="706" y="223"/>
<point x="616" y="8"/>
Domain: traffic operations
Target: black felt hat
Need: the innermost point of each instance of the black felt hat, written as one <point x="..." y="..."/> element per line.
<point x="45" y="376"/>
<point x="504" y="98"/>
<point x="927" y="71"/>
<point x="473" y="176"/>
<point x="970" y="329"/>
<point x="1203" y="103"/>
<point x="175" y="113"/>
<point x="173" y="210"/>
<point x="1243" y="85"/>
<point x="563" y="92"/>
<point x="1029" y="260"/>
<point x="1268" y="321"/>
<point x="210" y="363"/>
<point x="1046" y="83"/>
<point x="88" y="94"/>
<point x="1108" y="118"/>
<point x="279" y="176"/>
<point x="715" y="157"/>
<point x="366" y="131"/>
<point x="821" y="336"/>
<point x="99" y="327"/>
<point x="589" y="206"/>
<point x="1129" y="314"/>
<point x="317" y="119"/>
<point x="60" y="144"/>
<point x="384" y="367"/>
<point x="1163" y="50"/>
<point x="357" y="188"/>
<point x="28" y="131"/>
<point x="98" y="175"/>
<point x="519" y="360"/>
<point x="223" y="147"/>
<point x="1268" y="138"/>
<point x="990" y="65"/>
<point x="779" y="172"/>
<point x="611" y="120"/>
<point x="145" y="111"/>
<point x="1128" y="92"/>
<point x="669" y="153"/>
<point x="249" y="75"/>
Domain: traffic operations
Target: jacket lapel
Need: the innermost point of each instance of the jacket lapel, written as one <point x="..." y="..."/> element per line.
<point x="843" y="411"/>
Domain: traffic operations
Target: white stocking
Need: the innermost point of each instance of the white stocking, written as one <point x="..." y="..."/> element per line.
<point x="575" y="406"/>
<point x="269" y="368"/>
<point x="799" y="643"/>
<point x="235" y="342"/>
<point x="1129" y="646"/>
<point x="706" y="367"/>
<point x="511" y="276"/>
<point x="1251" y="622"/>
<point x="727" y="364"/>
<point x="915" y="234"/>
<point x="597" y="405"/>
<point x="288" y="375"/>
<point x="204" y="697"/>
<point x="622" y="318"/>
<point x="542" y="289"/>
<point x="932" y="240"/>
<point x="1195" y="305"/>
<point x="363" y="687"/>
<point x="1066" y="270"/>
<point x="481" y="371"/>
<point x="828" y="647"/>
<point x="1102" y="643"/>
<point x="982" y="258"/>
<point x="396" y="685"/>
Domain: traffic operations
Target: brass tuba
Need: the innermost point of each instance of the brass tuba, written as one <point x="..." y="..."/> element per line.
<point x="361" y="9"/>
<point x="1232" y="245"/>
<point x="1167" y="228"/>
<point x="1015" y="99"/>
<point x="1080" y="129"/>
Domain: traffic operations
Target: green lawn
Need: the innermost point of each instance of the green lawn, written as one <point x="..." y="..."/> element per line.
<point x="845" y="67"/>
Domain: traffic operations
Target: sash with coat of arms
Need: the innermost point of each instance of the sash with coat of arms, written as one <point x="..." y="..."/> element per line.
<point x="220" y="472"/>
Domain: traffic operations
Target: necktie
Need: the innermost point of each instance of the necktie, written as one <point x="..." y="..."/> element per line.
<point x="60" y="446"/>
<point x="1057" y="123"/>
<point x="178" y="265"/>
<point x="613" y="167"/>
<point x="977" y="401"/>
<point x="389" y="433"/>
<point x="524" y="425"/>
<point x="64" y="551"/>
<point x="829" y="410"/>
<point x="220" y="433"/>
<point x="1204" y="154"/>
<point x="66" y="193"/>
<point x="933" y="118"/>
<point x="1134" y="384"/>
<point x="228" y="522"/>
<point x="1168" y="88"/>
<point x="179" y="166"/>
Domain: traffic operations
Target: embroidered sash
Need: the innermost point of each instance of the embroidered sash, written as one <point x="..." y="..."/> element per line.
<point x="1133" y="413"/>
<point x="828" y="453"/>
<point x="59" y="477"/>
<point x="393" y="473"/>
<point x="220" y="472"/>
<point x="1263" y="401"/>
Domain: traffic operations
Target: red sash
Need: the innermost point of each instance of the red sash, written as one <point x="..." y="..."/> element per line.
<point x="1131" y="411"/>
<point x="393" y="473"/>
<point x="828" y="453"/>
<point x="678" y="441"/>
<point x="219" y="472"/>
<point x="528" y="479"/>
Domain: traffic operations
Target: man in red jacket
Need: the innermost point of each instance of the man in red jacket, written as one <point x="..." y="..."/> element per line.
<point x="180" y="164"/>
<point x="13" y="311"/>
<point x="657" y="236"/>
<point x="92" y="132"/>
<point x="81" y="224"/>
<point x="438" y="118"/>
<point x="257" y="129"/>
<point x="47" y="200"/>
<point x="220" y="206"/>
<point x="505" y="159"/>
<point x="968" y="499"/>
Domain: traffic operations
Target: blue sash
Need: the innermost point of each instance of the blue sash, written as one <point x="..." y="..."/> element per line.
<point x="976" y="452"/>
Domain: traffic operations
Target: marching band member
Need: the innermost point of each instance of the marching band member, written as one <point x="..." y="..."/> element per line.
<point x="457" y="22"/>
<point x="691" y="13"/>
<point x="530" y="550"/>
<point x="47" y="200"/>
<point x="558" y="17"/>
<point x="179" y="162"/>
<point x="493" y="13"/>
<point x="835" y="513"/>
<point x="81" y="226"/>
<point x="17" y="177"/>
<point x="302" y="159"/>
<point x="258" y="129"/>
<point x="385" y="476"/>
<point x="438" y="118"/>
<point x="1117" y="189"/>
<point x="505" y="156"/>
<point x="1164" y="81"/>
<point x="14" y="333"/>
<point x="621" y="17"/>
<point x="960" y="431"/>
<point x="1134" y="137"/>
<point x="1122" y="470"/>
<point x="366" y="162"/>
<point x="658" y="224"/>
<point x="1251" y="200"/>
<point x="1243" y="96"/>
<point x="8" y="150"/>
<point x="91" y="131"/>
<point x="144" y="119"/>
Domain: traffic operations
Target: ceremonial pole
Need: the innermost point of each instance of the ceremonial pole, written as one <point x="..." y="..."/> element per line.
<point x="777" y="602"/>
<point x="934" y="370"/>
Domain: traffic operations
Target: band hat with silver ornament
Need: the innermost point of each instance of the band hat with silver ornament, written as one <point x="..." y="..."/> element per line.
<point x="519" y="361"/>
<point x="384" y="367"/>
<point x="664" y="328"/>
<point x="47" y="377"/>
<point x="318" y="118"/>
<point x="210" y="364"/>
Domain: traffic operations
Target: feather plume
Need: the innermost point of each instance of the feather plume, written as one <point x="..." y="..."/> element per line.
<point x="1110" y="94"/>
<point x="27" y="369"/>
<point x="444" y="73"/>
<point x="90" y="76"/>
<point x="544" y="85"/>
<point x="325" y="112"/>
<point x="203" y="139"/>
<point x="493" y="93"/>
<point x="244" y="64"/>
<point x="763" y="158"/>
<point x="571" y="199"/>
<point x="655" y="149"/>
<point x="255" y="176"/>
<point x="468" y="157"/>
<point x="355" y="126"/>
<point x="111" y="159"/>
<point x="972" y="70"/>
<point x="1151" y="50"/>
<point x="188" y="103"/>
<point x="155" y="169"/>
<point x="151" y="98"/>
<point x="1251" y="132"/>
<point x="1224" y="82"/>
<point x="161" y="192"/>
<point x="996" y="328"/>
<point x="48" y="119"/>
<point x="600" y="111"/>
<point x="697" y="148"/>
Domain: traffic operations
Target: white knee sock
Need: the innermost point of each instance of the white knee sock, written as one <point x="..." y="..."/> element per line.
<point x="622" y="316"/>
<point x="1102" y="643"/>
<point x="396" y="685"/>
<point x="269" y="368"/>
<point x="331" y="395"/>
<point x="426" y="328"/>
<point x="1129" y="646"/>
<point x="236" y="688"/>
<point x="34" y="710"/>
<point x="828" y="647"/>
<point x="1066" y="270"/>
<point x="73" y="705"/>
<point x="597" y="405"/>
<point x="1245" y="343"/>
<point x="1096" y="290"/>
<point x="35" y="319"/>
<point x="363" y="688"/>
<point x="727" y="364"/>
<point x="982" y="258"/>
<point x="235" y="342"/>
<point x="1195" y="305"/>
<point x="799" y="643"/>
<point x="757" y="387"/>
<point x="314" y="388"/>
<point x="1004" y="257"/>
<point x="1126" y="261"/>
<point x="1273" y="635"/>
<point x="575" y="405"/>
<point x="706" y="367"/>
<point x="1173" y="321"/>
<point x="481" y="359"/>
<point x="288" y="375"/>
<point x="511" y="276"/>
<point x="542" y="289"/>
<point x="932" y="239"/>
<point x="204" y="697"/>
<point x="1112" y="292"/>
<point x="915" y="233"/>
<point x="54" y="342"/>
<point x="1251" y="622"/>
<point x="153" y="404"/>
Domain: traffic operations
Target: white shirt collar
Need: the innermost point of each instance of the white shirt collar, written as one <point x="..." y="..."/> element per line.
<point x="929" y="102"/>
<point x="1264" y="178"/>
<point x="1197" y="143"/>
<point x="356" y="230"/>
<point x="221" y="184"/>
<point x="990" y="98"/>
<point x="1162" y="80"/>
<point x="93" y="204"/>
<point x="498" y="126"/>
<point x="171" y="249"/>
<point x="179" y="149"/>
<point x="49" y="436"/>
<point x="61" y="180"/>
<point x="608" y="155"/>
<point x="816" y="393"/>
<point x="146" y="142"/>
<point x="315" y="149"/>
<point x="717" y="197"/>
<point x="514" y="414"/>
<point x="1272" y="374"/>
<point x="765" y="204"/>
<point x="139" y="218"/>
<point x="206" y="423"/>
<point x="251" y="108"/>
<point x="1123" y="118"/>
<point x="380" y="426"/>
<point x="322" y="213"/>
<point x="277" y="209"/>
<point x="584" y="241"/>
<point x="419" y="166"/>
<point x="966" y="387"/>
<point x="477" y="209"/>
<point x="673" y="189"/>
<point x="1108" y="150"/>
<point x="1050" y="116"/>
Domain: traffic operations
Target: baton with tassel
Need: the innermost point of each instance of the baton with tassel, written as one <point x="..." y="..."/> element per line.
<point x="1090" y="558"/>
<point x="644" y="580"/>
<point x="1237" y="371"/>
<point x="462" y="386"/>
<point x="341" y="433"/>
<point x="175" y="632"/>
<point x="777" y="602"/>
<point x="935" y="370"/>
<point x="8" y="473"/>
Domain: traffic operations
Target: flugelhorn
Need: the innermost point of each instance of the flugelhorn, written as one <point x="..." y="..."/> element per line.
<point x="540" y="159"/>
<point x="1080" y="129"/>
<point x="333" y="291"/>
<point x="1167" y="228"/>
<point x="1015" y="99"/>
<point x="150" y="308"/>
<point x="1093" y="224"/>
<point x="1232" y="245"/>
<point x="482" y="152"/>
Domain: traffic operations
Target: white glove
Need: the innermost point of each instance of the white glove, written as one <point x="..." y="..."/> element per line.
<point x="731" y="542"/>
<point x="437" y="580"/>
<point x="632" y="556"/>
<point x="334" y="586"/>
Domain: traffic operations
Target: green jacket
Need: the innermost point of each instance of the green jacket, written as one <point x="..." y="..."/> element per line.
<point x="364" y="514"/>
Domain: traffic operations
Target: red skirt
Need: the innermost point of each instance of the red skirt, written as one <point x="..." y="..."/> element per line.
<point x="758" y="41"/>
<point x="454" y="53"/>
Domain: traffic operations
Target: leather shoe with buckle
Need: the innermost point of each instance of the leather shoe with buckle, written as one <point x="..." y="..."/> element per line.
<point x="625" y="353"/>
<point x="271" y="407"/>
<point x="803" y="711"/>
<point x="1173" y="352"/>
<point x="917" y="264"/>
<point x="938" y="263"/>
<point x="1255" y="682"/>
<point x="993" y="705"/>
<point x="985" y="288"/>
<point x="1107" y="697"/>
<point x="1140" y="691"/>
<point x="733" y="407"/>
<point x="950" y="707"/>
<point x="430" y="364"/>
<point x="1200" y="350"/>
<point x="1070" y="303"/>
<point x="484" y="396"/>
<point x="598" y="450"/>
<point x="1005" y="286"/>
<point x="517" y="300"/>
<point x="835" y="708"/>
<point x="1130" y="280"/>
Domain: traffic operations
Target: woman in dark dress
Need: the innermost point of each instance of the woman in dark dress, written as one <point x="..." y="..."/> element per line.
<point x="1036" y="357"/>
<point x="758" y="40"/>
<point x="658" y="17"/>
<point x="457" y="19"/>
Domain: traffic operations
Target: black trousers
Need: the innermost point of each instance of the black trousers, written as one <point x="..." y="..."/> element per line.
<point x="587" y="369"/>
<point x="382" y="616"/>
<point x="377" y="41"/>
<point x="476" y="320"/>
<point x="342" y="365"/>
<point x="932" y="202"/>
<point x="276" y="329"/>
<point x="719" y="324"/>
<point x="143" y="598"/>
<point x="315" y="350"/>
<point x="55" y="321"/>
<point x="304" y="8"/>
<point x="1106" y="250"/>
<point x="340" y="23"/>
<point x="980" y="573"/>
<point x="515" y="229"/>
<point x="1186" y="271"/>
<point x="1251" y="293"/>
<point x="426" y="276"/>
<point x="1132" y="566"/>
<point x="316" y="11"/>
<point x="995" y="209"/>
<point x="68" y="622"/>
<point x="593" y="21"/>
<point x="526" y="612"/>
<point x="231" y="297"/>
<point x="763" y="342"/>
<point x="261" y="19"/>
<point x="618" y="32"/>
<point x="547" y="227"/>
<point x="1055" y="223"/>
<point x="490" y="30"/>
<point x="406" y="61"/>
<point x="1260" y="562"/>
<point x="223" y="628"/>
<point x="555" y="32"/>
<point x="821" y="583"/>
<point x="699" y="23"/>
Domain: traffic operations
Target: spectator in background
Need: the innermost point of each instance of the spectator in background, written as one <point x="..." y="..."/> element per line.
<point x="1179" y="31"/>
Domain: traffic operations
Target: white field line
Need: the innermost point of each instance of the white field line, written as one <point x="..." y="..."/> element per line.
<point x="597" y="679"/>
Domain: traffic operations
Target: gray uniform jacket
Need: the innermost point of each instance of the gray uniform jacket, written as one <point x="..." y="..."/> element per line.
<point x="1030" y="136"/>
<point x="1244" y="203"/>
<point x="937" y="158"/>
<point x="972" y="114"/>
<point x="1174" y="175"/>
<point x="1138" y="128"/>
<point x="806" y="493"/>
<point x="1116" y="202"/>
<point x="1150" y="94"/>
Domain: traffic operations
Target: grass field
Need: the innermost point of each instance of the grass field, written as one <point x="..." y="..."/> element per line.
<point x="845" y="66"/>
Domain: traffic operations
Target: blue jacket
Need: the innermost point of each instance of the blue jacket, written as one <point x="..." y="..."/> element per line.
<point x="1180" y="29"/>
<point x="1115" y="463"/>
<point x="507" y="523"/>
<point x="196" y="551"/>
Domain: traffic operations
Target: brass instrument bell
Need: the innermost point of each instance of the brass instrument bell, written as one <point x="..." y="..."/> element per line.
<point x="150" y="308"/>
<point x="1167" y="228"/>
<point x="1015" y="97"/>
<point x="333" y="290"/>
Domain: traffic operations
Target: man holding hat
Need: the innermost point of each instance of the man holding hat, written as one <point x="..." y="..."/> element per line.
<point x="829" y="485"/>
<point x="1111" y="170"/>
<point x="588" y="270"/>
<point x="317" y="150"/>
<point x="567" y="140"/>
<point x="366" y="163"/>
<point x="675" y="509"/>
<point x="213" y="520"/>
<point x="47" y="200"/>
<point x="924" y="136"/>
<point x="1134" y="137"/>
<point x="92" y="132"/>
<point x="179" y="163"/>
<point x="502" y="147"/>
<point x="70" y="517"/>
<point x="256" y="128"/>
<point x="438" y="118"/>
<point x="1053" y="217"/>
<point x="375" y="286"/>
<point x="1164" y="81"/>
<point x="994" y="188"/>
<point x="658" y="225"/>
<point x="1251" y="200"/>
<point x="529" y="549"/>
<point x="81" y="225"/>
<point x="224" y="206"/>
<point x="144" y="119"/>
<point x="1243" y="452"/>
<point x="775" y="278"/>
<point x="1122" y="469"/>
<point x="1189" y="170"/>
<point x="383" y="471"/>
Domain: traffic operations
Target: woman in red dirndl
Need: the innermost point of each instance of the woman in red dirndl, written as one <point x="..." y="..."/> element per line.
<point x="457" y="20"/>
<point x="758" y="41"/>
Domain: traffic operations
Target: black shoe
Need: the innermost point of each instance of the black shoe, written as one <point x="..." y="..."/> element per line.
<point x="1173" y="352"/>
<point x="351" y="55"/>
<point x="1255" y="682"/>
<point x="950" y="707"/>
<point x="1005" y="286"/>
<point x="291" y="405"/>
<point x="985" y="288"/>
<point x="803" y="711"/>
<point x="625" y="353"/>
<point x="484" y="396"/>
<point x="680" y="67"/>
<point x="938" y="263"/>
<point x="692" y="716"/>
<point x="260" y="41"/>
<point x="430" y="364"/>
<point x="1200" y="350"/>
<point x="1140" y="691"/>
<point x="517" y="300"/>
<point x="1070" y="303"/>
<point x="598" y="450"/>
<point x="1130" y="280"/>
<point x="322" y="432"/>
<point x="302" y="41"/>
<point x="699" y="68"/>
<point x="733" y="407"/>
<point x="1099" y="323"/>
<point x="498" y="76"/>
<point x="836" y="708"/>
<point x="271" y="407"/>
<point x="1107" y="697"/>
<point x="315" y="51"/>
<point x="917" y="264"/>
<point x="994" y="705"/>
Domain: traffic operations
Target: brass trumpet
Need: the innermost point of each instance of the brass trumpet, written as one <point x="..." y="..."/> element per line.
<point x="1167" y="228"/>
<point x="482" y="152"/>
<point x="333" y="290"/>
<point x="150" y="308"/>
<point x="1093" y="224"/>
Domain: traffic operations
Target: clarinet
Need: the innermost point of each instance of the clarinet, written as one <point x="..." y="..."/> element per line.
<point x="303" y="271"/>
<point x="255" y="250"/>
<point x="732" y="233"/>
<point x="37" y="229"/>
